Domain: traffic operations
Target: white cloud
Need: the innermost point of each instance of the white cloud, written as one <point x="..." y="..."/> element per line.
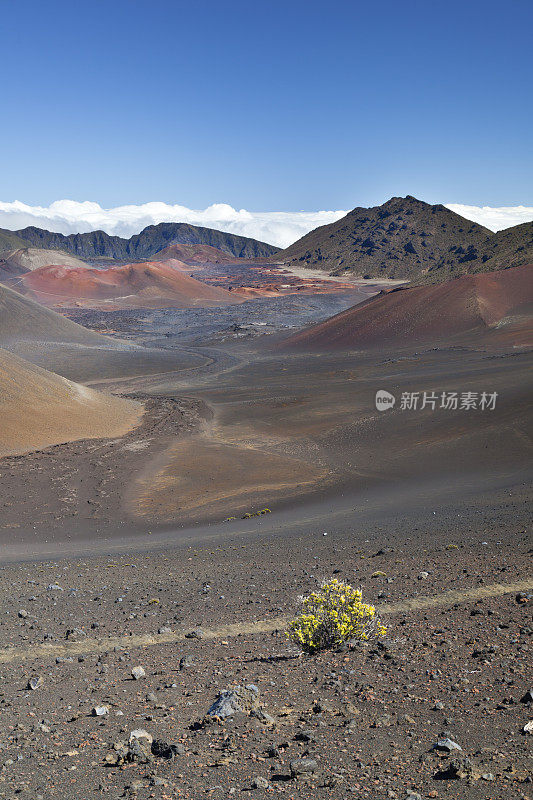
<point x="496" y="219"/>
<point x="68" y="216"/>
<point x="276" y="227"/>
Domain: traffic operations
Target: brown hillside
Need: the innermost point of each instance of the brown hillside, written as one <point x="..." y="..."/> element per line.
<point x="39" y="409"/>
<point x="467" y="305"/>
<point x="144" y="285"/>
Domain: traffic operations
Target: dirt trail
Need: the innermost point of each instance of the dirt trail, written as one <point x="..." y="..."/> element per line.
<point x="93" y="645"/>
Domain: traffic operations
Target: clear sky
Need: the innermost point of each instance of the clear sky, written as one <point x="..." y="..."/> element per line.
<point x="267" y="105"/>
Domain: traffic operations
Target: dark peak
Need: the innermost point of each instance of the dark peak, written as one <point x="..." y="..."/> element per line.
<point x="404" y="202"/>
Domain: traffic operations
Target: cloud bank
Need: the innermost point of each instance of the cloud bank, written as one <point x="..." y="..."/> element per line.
<point x="280" y="228"/>
<point x="496" y="219"/>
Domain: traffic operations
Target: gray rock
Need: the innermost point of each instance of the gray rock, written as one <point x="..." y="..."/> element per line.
<point x="422" y="577"/>
<point x="140" y="750"/>
<point x="447" y="745"/>
<point x="75" y="635"/>
<point x="100" y="711"/>
<point x="35" y="682"/>
<point x="302" y="766"/>
<point x="138" y="673"/>
<point x="238" y="698"/>
<point x="23" y="614"/>
<point x="528" y="697"/>
<point x="140" y="733"/>
<point x="262" y="716"/>
<point x="54" y="587"/>
<point x="161" y="749"/>
<point x="260" y="783"/>
<point x="198" y="633"/>
<point x="186" y="662"/>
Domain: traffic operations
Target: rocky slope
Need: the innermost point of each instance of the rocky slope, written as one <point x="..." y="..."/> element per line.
<point x="407" y="238"/>
<point x="98" y="244"/>
<point x="10" y="241"/>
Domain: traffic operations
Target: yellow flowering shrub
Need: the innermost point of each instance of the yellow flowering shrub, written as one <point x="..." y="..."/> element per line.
<point x="332" y="615"/>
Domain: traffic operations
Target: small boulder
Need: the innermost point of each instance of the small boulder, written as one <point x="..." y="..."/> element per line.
<point x="138" y="673"/>
<point x="238" y="698"/>
<point x="260" y="783"/>
<point x="302" y="766"/>
<point x="447" y="745"/>
<point x="35" y="682"/>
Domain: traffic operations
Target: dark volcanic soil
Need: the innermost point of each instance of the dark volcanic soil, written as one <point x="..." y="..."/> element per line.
<point x="114" y="551"/>
<point x="369" y="717"/>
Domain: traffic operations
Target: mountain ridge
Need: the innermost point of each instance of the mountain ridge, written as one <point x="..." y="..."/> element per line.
<point x="143" y="245"/>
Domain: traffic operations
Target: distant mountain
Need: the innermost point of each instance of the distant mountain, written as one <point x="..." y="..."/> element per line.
<point x="195" y="254"/>
<point x="407" y="238"/>
<point x="10" y="241"/>
<point x="144" y="245"/>
<point x="499" y="303"/>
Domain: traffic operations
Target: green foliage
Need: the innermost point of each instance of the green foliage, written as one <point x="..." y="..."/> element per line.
<point x="332" y="615"/>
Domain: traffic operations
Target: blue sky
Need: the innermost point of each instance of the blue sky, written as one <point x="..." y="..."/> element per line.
<point x="267" y="106"/>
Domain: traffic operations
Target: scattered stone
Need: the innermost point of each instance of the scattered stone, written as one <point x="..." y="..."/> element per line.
<point x="302" y="766"/>
<point x="23" y="614"/>
<point x="438" y="706"/>
<point x="447" y="745"/>
<point x="413" y="795"/>
<point x="100" y="711"/>
<point x="262" y="716"/>
<point x="305" y="736"/>
<point x="54" y="587"/>
<point x="322" y="706"/>
<point x="75" y="635"/>
<point x="35" y="682"/>
<point x="197" y="633"/>
<point x="161" y="749"/>
<point x="140" y="751"/>
<point x="186" y="662"/>
<point x="165" y="629"/>
<point x="384" y="721"/>
<point x="138" y="673"/>
<point x="238" y="698"/>
<point x="458" y="768"/>
<point x="488" y="776"/>
<point x="528" y="727"/>
<point x="528" y="697"/>
<point x="140" y="733"/>
<point x="423" y="576"/>
<point x="260" y="783"/>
